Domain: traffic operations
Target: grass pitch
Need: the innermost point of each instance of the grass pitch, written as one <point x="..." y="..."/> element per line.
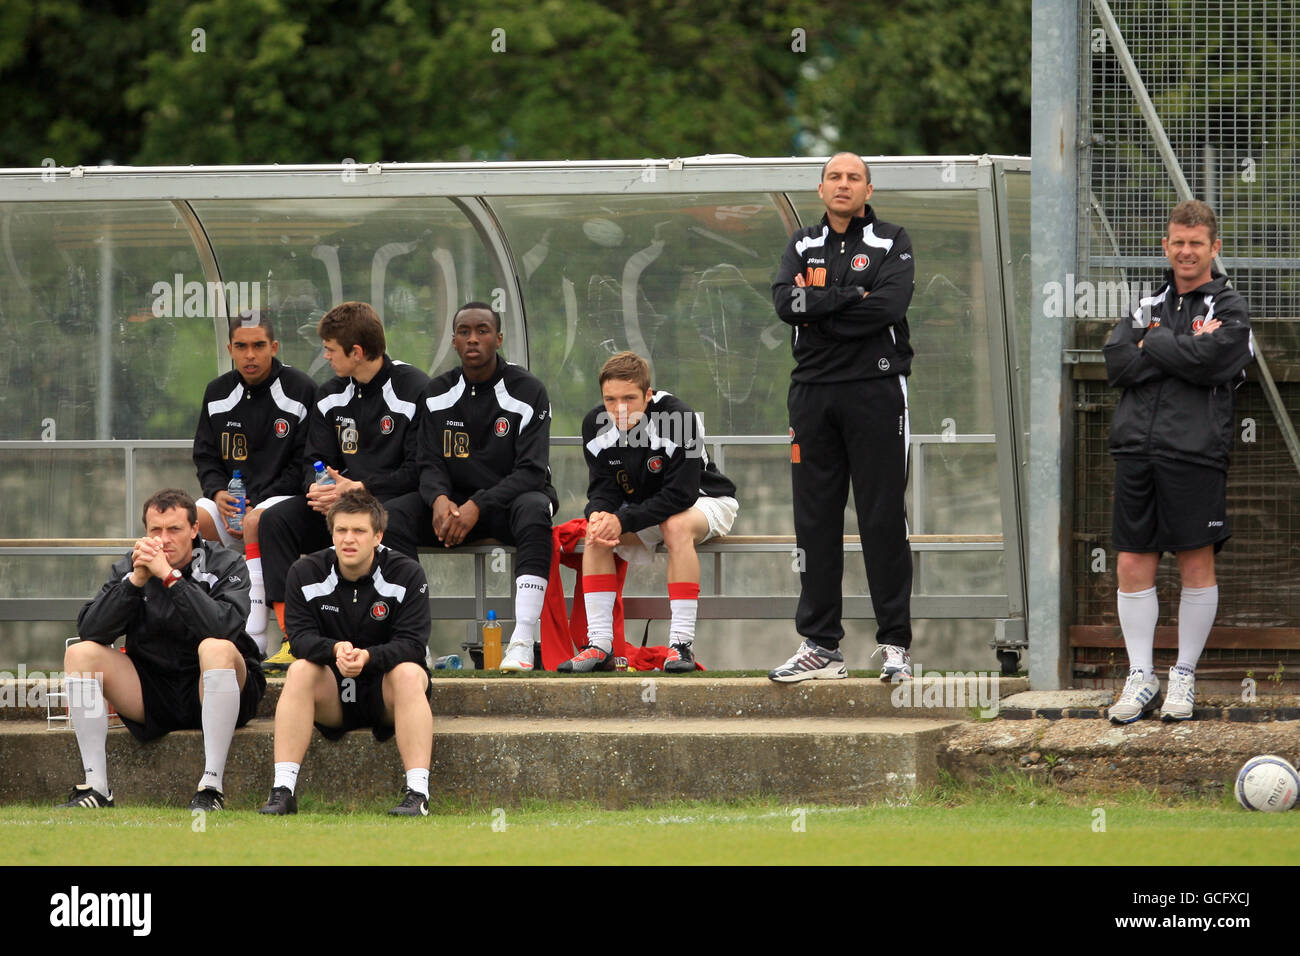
<point x="1005" y="820"/>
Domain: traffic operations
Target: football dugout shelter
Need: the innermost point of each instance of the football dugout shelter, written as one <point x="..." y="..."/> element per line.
<point x="115" y="283"/>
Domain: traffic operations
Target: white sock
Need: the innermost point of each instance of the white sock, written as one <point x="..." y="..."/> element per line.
<point x="418" y="780"/>
<point x="1196" y="610"/>
<point x="683" y="601"/>
<point x="257" y="618"/>
<point x="90" y="724"/>
<point x="530" y="595"/>
<point x="600" y="613"/>
<point x="220" y="712"/>
<point x="1138" y="613"/>
<point x="286" y="775"/>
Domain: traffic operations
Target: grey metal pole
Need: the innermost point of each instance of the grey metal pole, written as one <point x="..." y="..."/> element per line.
<point x="1054" y="211"/>
<point x="104" y="410"/>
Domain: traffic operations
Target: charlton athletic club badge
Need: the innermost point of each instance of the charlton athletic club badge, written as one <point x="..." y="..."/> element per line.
<point x="386" y="424"/>
<point x="860" y="262"/>
<point x="655" y="465"/>
<point x="501" y="427"/>
<point x="379" y="610"/>
<point x="281" y="427"/>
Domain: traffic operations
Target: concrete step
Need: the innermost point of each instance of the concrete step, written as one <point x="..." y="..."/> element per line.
<point x="654" y="694"/>
<point x="1196" y="756"/>
<point x="495" y="761"/>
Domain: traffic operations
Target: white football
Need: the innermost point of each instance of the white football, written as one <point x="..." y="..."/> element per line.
<point x="1267" y="783"/>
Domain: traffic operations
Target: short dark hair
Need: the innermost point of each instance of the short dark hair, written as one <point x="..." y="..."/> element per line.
<point x="1193" y="212"/>
<point x="358" y="501"/>
<point x="844" y="152"/>
<point x="626" y="367"/>
<point x="166" y="500"/>
<point x="251" y="319"/>
<point x="477" y="305"/>
<point x="354" y="323"/>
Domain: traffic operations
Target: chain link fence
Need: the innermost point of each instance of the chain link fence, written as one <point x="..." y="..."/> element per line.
<point x="1223" y="77"/>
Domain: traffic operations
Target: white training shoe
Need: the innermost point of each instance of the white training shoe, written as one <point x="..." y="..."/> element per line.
<point x="518" y="656"/>
<point x="1181" y="696"/>
<point x="1140" y="696"/>
<point x="896" y="663"/>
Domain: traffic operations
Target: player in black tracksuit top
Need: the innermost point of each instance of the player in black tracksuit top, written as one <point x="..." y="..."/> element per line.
<point x="367" y="432"/>
<point x="357" y="616"/>
<point x="484" y="462"/>
<point x="646" y="477"/>
<point x="254" y="420"/>
<point x="258" y="429"/>
<point x="363" y="427"/>
<point x="261" y="430"/>
<point x="386" y="612"/>
<point x="650" y="480"/>
<point x="844" y="286"/>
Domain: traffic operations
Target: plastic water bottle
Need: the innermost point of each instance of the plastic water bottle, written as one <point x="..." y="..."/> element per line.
<point x="322" y="476"/>
<point x="491" y="642"/>
<point x="448" y="662"/>
<point x="239" y="492"/>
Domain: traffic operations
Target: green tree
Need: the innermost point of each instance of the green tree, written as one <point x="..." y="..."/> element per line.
<point x="928" y="77"/>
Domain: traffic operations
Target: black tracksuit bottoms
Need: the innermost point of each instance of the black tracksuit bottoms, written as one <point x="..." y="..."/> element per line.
<point x="851" y="432"/>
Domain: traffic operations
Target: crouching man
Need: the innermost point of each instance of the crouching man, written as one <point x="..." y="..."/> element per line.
<point x="357" y="616"/>
<point x="182" y="603"/>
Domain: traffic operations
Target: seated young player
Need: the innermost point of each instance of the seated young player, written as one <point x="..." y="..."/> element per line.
<point x="253" y="420"/>
<point x="651" y="481"/>
<point x="362" y="426"/>
<point x="182" y="603"/>
<point x="484" y="467"/>
<point x="358" y="621"/>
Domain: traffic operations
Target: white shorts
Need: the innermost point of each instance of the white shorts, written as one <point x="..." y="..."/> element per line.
<point x="227" y="539"/>
<point x="721" y="515"/>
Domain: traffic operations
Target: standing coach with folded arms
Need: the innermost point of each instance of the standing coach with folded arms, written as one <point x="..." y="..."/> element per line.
<point x="844" y="286"/>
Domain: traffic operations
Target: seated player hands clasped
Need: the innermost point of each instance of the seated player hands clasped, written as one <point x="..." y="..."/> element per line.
<point x="651" y="481"/>
<point x="603" y="528"/>
<point x="452" y="522"/>
<point x="357" y="616"/>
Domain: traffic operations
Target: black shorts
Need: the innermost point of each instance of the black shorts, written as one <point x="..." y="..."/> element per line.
<point x="171" y="702"/>
<point x="363" y="706"/>
<point x="1168" y="506"/>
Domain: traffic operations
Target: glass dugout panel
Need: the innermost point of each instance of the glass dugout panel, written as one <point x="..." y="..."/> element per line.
<point x="683" y="280"/>
<point x="93" y="349"/>
<point x="415" y="260"/>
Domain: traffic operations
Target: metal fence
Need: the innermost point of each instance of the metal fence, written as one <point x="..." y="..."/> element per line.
<point x="1214" y="101"/>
